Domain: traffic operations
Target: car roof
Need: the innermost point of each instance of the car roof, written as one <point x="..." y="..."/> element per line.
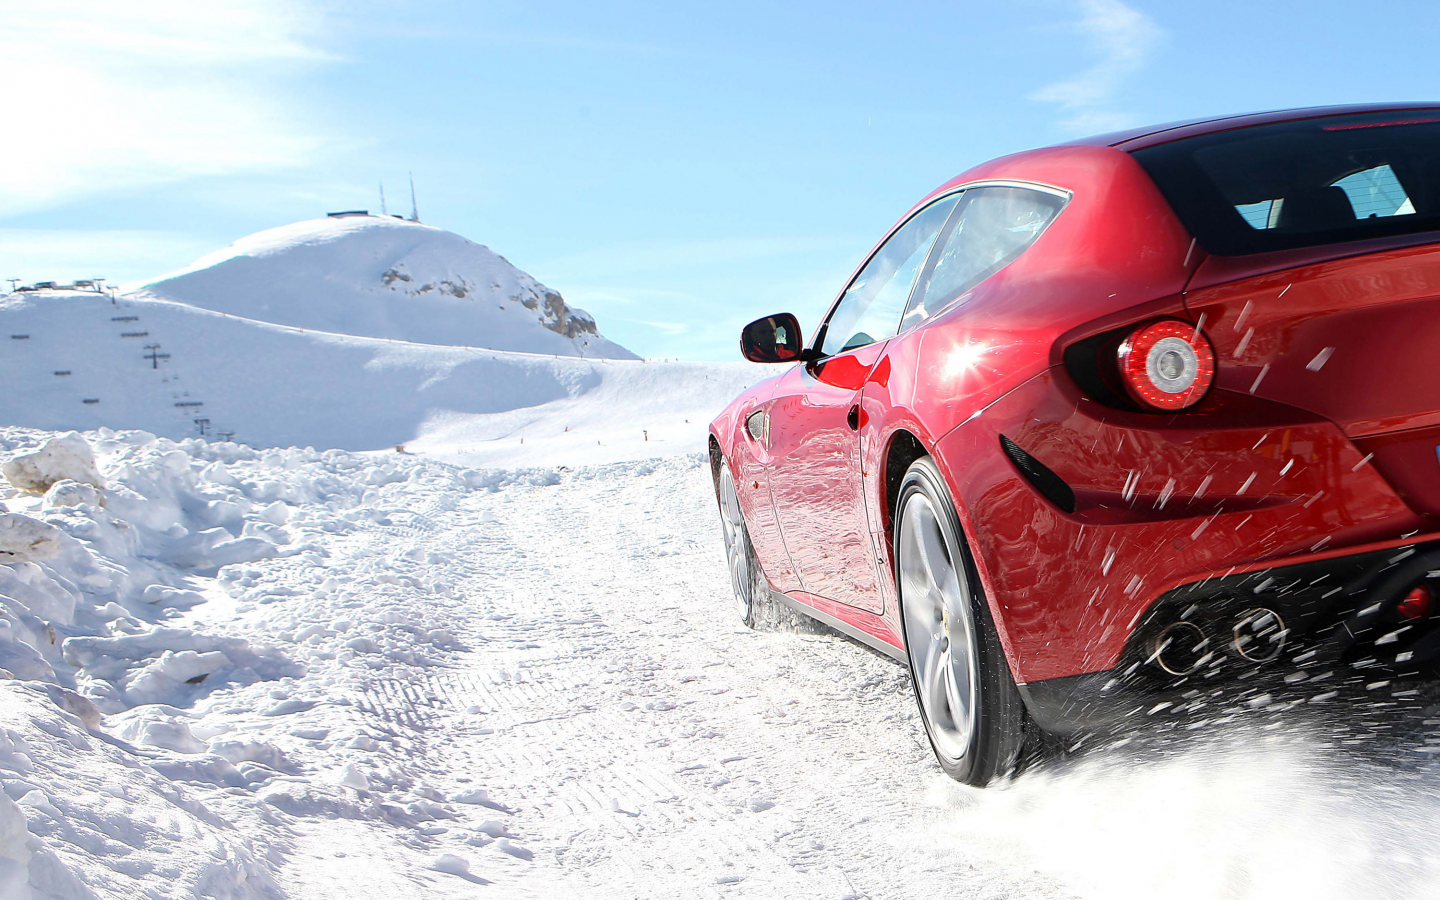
<point x="1149" y="136"/>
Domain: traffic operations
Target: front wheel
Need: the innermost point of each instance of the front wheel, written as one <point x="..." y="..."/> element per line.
<point x="971" y="709"/>
<point x="746" y="579"/>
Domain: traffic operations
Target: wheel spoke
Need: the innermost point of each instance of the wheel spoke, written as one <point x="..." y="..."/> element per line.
<point x="922" y="576"/>
<point x="928" y="546"/>
<point x="939" y="630"/>
<point x="929" y="677"/>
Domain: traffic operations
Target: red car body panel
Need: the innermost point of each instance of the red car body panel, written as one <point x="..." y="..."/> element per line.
<point x="750" y="465"/>
<point x="1238" y="480"/>
<point x="1284" y="460"/>
<point x="1353" y="340"/>
<point x="815" y="480"/>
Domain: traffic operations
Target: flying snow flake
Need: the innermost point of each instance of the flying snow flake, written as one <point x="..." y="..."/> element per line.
<point x="1264" y="370"/>
<point x="1244" y="314"/>
<point x="1165" y="494"/>
<point x="1107" y="561"/>
<point x="1320" y="359"/>
<point x="1200" y="529"/>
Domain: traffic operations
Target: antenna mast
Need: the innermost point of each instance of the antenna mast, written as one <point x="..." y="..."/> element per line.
<point x="414" y="210"/>
<point x="383" y="210"/>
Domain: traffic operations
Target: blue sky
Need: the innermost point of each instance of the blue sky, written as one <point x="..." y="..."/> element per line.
<point x="677" y="169"/>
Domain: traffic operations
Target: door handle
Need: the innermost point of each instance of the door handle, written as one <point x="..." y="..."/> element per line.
<point x="852" y="418"/>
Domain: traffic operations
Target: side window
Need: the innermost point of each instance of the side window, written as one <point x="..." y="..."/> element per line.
<point x="992" y="227"/>
<point x="871" y="308"/>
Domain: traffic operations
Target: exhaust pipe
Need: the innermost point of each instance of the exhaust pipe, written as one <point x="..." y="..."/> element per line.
<point x="1259" y="635"/>
<point x="1180" y="648"/>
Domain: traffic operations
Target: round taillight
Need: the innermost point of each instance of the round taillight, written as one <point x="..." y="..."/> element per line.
<point x="1166" y="365"/>
<point x="1416" y="604"/>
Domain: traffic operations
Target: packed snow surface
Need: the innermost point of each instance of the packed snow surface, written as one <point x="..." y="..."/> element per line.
<point x="267" y="673"/>
<point x="383" y="277"/>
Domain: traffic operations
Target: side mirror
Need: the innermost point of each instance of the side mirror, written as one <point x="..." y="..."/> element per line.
<point x="773" y="339"/>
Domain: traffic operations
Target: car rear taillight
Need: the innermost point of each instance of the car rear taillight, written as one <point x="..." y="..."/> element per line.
<point x="1166" y="365"/>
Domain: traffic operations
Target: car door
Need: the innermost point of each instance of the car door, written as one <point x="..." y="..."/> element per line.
<point x="813" y="418"/>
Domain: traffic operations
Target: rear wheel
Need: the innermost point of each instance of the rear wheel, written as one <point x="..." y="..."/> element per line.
<point x="968" y="701"/>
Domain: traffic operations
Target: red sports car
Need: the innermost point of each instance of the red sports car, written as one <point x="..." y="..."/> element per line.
<point x="1101" y="423"/>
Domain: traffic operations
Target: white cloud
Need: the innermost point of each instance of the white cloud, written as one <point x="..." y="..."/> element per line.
<point x="105" y="95"/>
<point x="1124" y="39"/>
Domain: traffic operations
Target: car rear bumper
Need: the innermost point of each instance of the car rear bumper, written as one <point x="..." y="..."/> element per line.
<point x="1340" y="629"/>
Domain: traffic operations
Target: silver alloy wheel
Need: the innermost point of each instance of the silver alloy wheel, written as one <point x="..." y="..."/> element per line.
<point x="737" y="550"/>
<point x="939" y="627"/>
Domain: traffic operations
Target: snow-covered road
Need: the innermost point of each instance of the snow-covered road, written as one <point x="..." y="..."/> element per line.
<point x="409" y="679"/>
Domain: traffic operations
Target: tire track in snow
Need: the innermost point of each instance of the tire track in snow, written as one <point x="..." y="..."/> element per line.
<point x="660" y="749"/>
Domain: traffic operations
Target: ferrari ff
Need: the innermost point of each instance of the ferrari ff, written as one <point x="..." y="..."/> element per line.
<point x="1098" y="426"/>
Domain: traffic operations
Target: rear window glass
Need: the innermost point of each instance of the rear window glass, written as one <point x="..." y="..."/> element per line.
<point x="990" y="229"/>
<point x="1301" y="184"/>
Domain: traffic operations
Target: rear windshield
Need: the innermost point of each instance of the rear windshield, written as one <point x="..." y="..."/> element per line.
<point x="1302" y="184"/>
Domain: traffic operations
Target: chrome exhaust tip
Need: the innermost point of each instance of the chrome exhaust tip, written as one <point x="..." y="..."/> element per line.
<point x="1180" y="648"/>
<point x="1258" y="635"/>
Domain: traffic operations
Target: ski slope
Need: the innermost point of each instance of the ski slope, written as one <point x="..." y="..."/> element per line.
<point x="356" y="333"/>
<point x="75" y="360"/>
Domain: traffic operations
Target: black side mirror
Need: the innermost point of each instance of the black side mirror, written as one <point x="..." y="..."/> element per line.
<point x="773" y="339"/>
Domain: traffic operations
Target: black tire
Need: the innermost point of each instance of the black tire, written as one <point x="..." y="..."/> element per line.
<point x="991" y="745"/>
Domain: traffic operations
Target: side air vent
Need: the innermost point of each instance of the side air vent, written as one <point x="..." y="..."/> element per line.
<point x="1046" y="482"/>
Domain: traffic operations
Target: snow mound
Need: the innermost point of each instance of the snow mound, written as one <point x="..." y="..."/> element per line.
<point x="23" y="539"/>
<point x="183" y="667"/>
<point x="383" y="277"/>
<point x="65" y="458"/>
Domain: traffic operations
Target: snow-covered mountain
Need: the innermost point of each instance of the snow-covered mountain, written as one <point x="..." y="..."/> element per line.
<point x="378" y="276"/>
<point x="357" y="333"/>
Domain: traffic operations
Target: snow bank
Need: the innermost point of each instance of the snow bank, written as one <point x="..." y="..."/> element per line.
<point x="187" y="670"/>
<point x="64" y="458"/>
<point x="387" y="278"/>
<point x="86" y="591"/>
<point x="23" y="539"/>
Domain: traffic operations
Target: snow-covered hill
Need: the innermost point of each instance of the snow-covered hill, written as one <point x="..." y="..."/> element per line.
<point x="378" y="276"/>
<point x="357" y="333"/>
<point x="78" y="361"/>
